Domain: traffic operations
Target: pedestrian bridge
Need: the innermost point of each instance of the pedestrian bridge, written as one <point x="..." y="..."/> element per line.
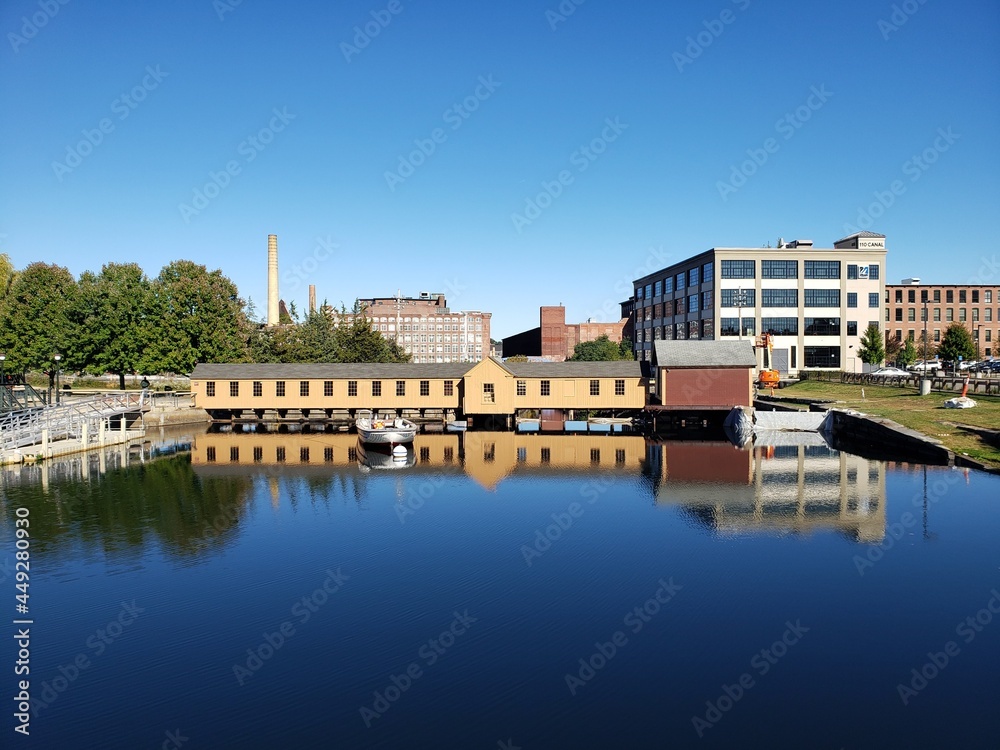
<point x="85" y="420"/>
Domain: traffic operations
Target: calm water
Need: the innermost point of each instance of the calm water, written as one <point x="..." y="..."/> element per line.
<point x="500" y="590"/>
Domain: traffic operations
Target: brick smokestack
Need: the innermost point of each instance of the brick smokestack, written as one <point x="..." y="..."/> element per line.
<point x="312" y="298"/>
<point x="272" y="280"/>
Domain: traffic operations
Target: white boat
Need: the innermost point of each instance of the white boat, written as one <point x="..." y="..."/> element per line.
<point x="384" y="431"/>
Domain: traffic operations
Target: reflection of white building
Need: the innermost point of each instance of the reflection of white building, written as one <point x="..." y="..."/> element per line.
<point x="784" y="489"/>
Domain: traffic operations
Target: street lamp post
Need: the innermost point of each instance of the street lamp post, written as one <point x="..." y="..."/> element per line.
<point x="741" y="299"/>
<point x="925" y="331"/>
<point x="3" y="381"/>
<point x="977" y="340"/>
<point x="58" y="358"/>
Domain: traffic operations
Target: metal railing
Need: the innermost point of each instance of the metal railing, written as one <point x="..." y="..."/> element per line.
<point x="73" y="420"/>
<point x="15" y="396"/>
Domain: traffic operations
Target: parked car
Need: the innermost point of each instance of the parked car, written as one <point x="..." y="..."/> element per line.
<point x="928" y="366"/>
<point x="890" y="372"/>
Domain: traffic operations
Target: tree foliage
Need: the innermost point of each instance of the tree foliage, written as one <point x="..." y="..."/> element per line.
<point x="35" y="319"/>
<point x="908" y="355"/>
<point x="325" y="337"/>
<point x="113" y="311"/>
<point x="957" y="342"/>
<point x="601" y="349"/>
<point x="872" y="351"/>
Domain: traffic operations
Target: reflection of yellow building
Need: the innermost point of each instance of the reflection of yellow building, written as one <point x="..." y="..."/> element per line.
<point x="798" y="488"/>
<point x="486" y="457"/>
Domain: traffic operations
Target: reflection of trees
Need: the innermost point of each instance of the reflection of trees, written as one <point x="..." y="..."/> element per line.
<point x="115" y="513"/>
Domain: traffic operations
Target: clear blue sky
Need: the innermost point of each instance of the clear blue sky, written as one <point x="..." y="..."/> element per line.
<point x="886" y="93"/>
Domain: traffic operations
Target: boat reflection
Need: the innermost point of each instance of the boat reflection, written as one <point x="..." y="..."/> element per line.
<point x="385" y="457"/>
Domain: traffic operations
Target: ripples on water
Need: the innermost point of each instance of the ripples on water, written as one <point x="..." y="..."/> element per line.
<point x="549" y="543"/>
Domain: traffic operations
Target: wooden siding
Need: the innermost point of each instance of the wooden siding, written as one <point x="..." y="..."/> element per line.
<point x="705" y="388"/>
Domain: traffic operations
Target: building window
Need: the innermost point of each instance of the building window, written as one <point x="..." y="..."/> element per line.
<point x="304" y="455"/>
<point x="949" y="296"/>
<point x="234" y="388"/>
<point x="779" y="269"/>
<point x="619" y="387"/>
<point x="975" y="296"/>
<point x="961" y="319"/>
<point x="400" y="387"/>
<point x="729" y="327"/>
<point x="887" y="315"/>
<point x="911" y="314"/>
<point x="961" y="296"/>
<point x="657" y="288"/>
<point x="899" y="296"/>
<point x="707" y="328"/>
<point x="780" y="326"/>
<point x="873" y="299"/>
<point x="975" y="314"/>
<point x="279" y="454"/>
<point x="258" y="454"/>
<point x="707" y="272"/>
<point x="545" y="388"/>
<point x="852" y="328"/>
<point x="210" y="454"/>
<point x="679" y="330"/>
<point x="681" y="281"/>
<point x="352" y="388"/>
<point x="234" y="454"/>
<point x="693" y="303"/>
<point x="730" y="297"/>
<point x="693" y="276"/>
<point x="279" y="388"/>
<point x="822" y="356"/>
<point x="779" y="297"/>
<point x="210" y="388"/>
<point x="988" y="314"/>
<point x="852" y="270"/>
<point x="303" y="387"/>
<point x="595" y="387"/>
<point x="489" y="395"/>
<point x="522" y="387"/>
<point x="377" y="388"/>
<point x="449" y="387"/>
<point x="873" y="271"/>
<point x="822" y="326"/>
<point x="706" y="300"/>
<point x="649" y="291"/>
<point x="425" y="388"/>
<point x="911" y="296"/>
<point x="694" y="329"/>
<point x="546" y="455"/>
<point x="852" y="299"/>
<point x="258" y="388"/>
<point x="738" y="269"/>
<point x="937" y="334"/>
<point x="822" y="269"/>
<point x="937" y="295"/>
<point x="679" y="306"/>
<point x="988" y="296"/>
<point x="668" y="285"/>
<point x="328" y="388"/>
<point x="822" y="298"/>
<point x="949" y="314"/>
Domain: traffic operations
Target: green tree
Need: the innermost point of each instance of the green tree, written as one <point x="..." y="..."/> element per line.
<point x="35" y="319"/>
<point x="7" y="274"/>
<point x="625" y="349"/>
<point x="113" y="316"/>
<point x="517" y="358"/>
<point x="893" y="347"/>
<point x="956" y="342"/>
<point x="198" y="316"/>
<point x="872" y="351"/>
<point x="600" y="349"/>
<point x="908" y="355"/>
<point x="357" y="341"/>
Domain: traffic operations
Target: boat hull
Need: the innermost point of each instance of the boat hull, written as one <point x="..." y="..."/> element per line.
<point x="385" y="431"/>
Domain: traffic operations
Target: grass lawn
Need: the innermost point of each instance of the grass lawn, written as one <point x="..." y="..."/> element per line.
<point x="922" y="413"/>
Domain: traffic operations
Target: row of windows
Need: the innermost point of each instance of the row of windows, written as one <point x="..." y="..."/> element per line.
<point x="352" y="388"/>
<point x="789" y="327"/>
<point x="691" y="277"/>
<point x="680" y="331"/>
<point x="789" y="269"/>
<point x="545" y="388"/>
<point x="281" y="454"/>
<point x="949" y="314"/>
<point x="949" y="295"/>
<point x="911" y="334"/>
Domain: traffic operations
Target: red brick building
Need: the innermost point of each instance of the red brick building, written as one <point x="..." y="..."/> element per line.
<point x="977" y="307"/>
<point x="554" y="339"/>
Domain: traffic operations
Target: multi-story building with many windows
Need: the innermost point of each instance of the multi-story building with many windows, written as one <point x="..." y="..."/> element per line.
<point x="428" y="329"/>
<point x="910" y="304"/>
<point x="814" y="302"/>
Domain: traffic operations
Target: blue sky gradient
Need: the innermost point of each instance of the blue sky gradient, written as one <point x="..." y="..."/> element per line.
<point x="737" y="122"/>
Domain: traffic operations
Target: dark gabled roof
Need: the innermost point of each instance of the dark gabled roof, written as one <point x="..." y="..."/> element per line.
<point x="704" y="354"/>
<point x="616" y="369"/>
<point x="335" y="371"/>
<point x="864" y="234"/>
